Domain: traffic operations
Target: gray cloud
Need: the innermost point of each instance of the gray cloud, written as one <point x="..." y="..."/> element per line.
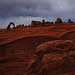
<point x="9" y="8"/>
<point x="36" y="8"/>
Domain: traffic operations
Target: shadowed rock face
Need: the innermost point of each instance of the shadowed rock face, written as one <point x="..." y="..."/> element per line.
<point x="52" y="56"/>
<point x="28" y="42"/>
<point x="57" y="45"/>
<point x="19" y="55"/>
<point x="40" y="55"/>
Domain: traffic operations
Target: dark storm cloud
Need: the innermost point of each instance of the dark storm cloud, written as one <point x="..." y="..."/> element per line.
<point x="24" y="8"/>
<point x="10" y="8"/>
<point x="23" y="11"/>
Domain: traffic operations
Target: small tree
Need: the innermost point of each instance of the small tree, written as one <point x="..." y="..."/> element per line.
<point x="70" y="21"/>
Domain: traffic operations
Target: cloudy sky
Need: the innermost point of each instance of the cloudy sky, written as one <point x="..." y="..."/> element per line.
<point x="23" y="11"/>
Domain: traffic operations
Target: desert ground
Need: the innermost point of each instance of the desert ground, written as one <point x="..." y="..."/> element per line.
<point x="48" y="50"/>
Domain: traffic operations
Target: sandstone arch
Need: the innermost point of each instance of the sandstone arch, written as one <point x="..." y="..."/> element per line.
<point x="10" y="24"/>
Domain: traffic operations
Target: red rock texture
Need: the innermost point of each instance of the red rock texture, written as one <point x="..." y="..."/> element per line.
<point x="69" y="35"/>
<point x="50" y="58"/>
<point x="37" y="51"/>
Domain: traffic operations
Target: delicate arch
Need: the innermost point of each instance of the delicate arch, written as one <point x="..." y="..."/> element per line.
<point x="9" y="26"/>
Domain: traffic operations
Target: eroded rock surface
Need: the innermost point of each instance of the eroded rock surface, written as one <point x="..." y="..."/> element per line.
<point x="54" y="57"/>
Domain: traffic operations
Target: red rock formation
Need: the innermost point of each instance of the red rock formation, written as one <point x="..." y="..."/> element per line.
<point x="39" y="23"/>
<point x="70" y="21"/>
<point x="35" y="23"/>
<point x="10" y="24"/>
<point x="57" y="45"/>
<point x="50" y="60"/>
<point x="20" y="26"/>
<point x="58" y="21"/>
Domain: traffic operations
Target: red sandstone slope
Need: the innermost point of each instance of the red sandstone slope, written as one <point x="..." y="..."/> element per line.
<point x="19" y="33"/>
<point x="17" y="57"/>
<point x="20" y="53"/>
<point x="17" y="50"/>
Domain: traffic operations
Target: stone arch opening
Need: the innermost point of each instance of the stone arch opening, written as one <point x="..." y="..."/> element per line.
<point x="11" y="26"/>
